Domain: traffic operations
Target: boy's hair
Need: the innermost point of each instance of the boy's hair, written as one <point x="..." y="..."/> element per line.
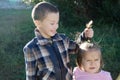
<point x="85" y="47"/>
<point x="41" y="10"/>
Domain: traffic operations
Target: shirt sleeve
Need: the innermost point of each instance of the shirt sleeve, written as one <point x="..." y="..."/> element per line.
<point x="73" y="45"/>
<point x="74" y="74"/>
<point x="30" y="64"/>
<point x="80" y="38"/>
<point x="110" y="77"/>
<point x="32" y="67"/>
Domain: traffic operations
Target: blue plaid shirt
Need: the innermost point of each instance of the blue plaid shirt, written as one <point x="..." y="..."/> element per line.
<point x="49" y="58"/>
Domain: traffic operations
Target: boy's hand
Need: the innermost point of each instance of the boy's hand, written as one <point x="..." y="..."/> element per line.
<point x="88" y="30"/>
<point x="88" y="33"/>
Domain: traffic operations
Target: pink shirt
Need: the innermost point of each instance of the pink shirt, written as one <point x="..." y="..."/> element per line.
<point x="81" y="75"/>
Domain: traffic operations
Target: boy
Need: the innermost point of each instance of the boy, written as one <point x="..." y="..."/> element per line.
<point x="46" y="55"/>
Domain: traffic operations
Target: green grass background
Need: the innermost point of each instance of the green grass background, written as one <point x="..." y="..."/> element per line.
<point x="16" y="29"/>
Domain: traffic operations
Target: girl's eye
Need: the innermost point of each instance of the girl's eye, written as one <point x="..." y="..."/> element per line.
<point x="52" y="23"/>
<point x="88" y="60"/>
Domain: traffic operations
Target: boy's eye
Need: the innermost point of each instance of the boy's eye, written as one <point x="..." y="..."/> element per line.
<point x="96" y="59"/>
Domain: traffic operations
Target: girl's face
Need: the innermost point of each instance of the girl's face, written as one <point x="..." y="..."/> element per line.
<point x="91" y="61"/>
<point x="48" y="27"/>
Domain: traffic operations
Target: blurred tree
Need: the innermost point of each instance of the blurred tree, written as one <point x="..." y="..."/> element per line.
<point x="92" y="7"/>
<point x="110" y="11"/>
<point x="76" y="12"/>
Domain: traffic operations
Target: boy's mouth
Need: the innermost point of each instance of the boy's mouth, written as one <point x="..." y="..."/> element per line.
<point x="53" y="31"/>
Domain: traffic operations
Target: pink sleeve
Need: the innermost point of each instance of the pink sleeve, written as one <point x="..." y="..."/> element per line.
<point x="107" y="75"/>
<point x="110" y="77"/>
<point x="74" y="73"/>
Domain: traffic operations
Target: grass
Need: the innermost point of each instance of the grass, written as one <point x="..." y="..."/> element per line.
<point x="14" y="24"/>
<point x="17" y="29"/>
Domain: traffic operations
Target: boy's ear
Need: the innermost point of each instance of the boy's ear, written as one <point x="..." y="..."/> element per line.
<point x="37" y="23"/>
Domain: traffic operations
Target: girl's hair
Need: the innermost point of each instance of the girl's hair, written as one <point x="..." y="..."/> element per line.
<point x="85" y="47"/>
<point x="41" y="9"/>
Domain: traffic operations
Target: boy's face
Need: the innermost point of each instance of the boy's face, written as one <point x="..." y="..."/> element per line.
<point x="48" y="27"/>
<point x="91" y="61"/>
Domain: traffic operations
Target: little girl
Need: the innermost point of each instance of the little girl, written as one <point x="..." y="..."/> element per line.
<point x="89" y="63"/>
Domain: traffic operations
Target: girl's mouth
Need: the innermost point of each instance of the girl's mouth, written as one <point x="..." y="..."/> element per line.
<point x="92" y="67"/>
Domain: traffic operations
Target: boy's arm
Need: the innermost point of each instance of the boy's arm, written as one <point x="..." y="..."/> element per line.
<point x="30" y="64"/>
<point x="86" y="35"/>
<point x="73" y="45"/>
<point x="82" y="37"/>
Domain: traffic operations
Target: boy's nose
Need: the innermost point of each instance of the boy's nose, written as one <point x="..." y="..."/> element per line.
<point x="56" y="26"/>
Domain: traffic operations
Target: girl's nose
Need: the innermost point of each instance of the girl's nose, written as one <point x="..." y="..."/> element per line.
<point x="92" y="63"/>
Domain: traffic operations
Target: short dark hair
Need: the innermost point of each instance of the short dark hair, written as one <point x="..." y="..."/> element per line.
<point x="41" y="9"/>
<point x="85" y="47"/>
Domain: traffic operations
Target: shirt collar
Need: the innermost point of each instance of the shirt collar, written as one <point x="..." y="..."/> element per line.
<point x="44" y="41"/>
